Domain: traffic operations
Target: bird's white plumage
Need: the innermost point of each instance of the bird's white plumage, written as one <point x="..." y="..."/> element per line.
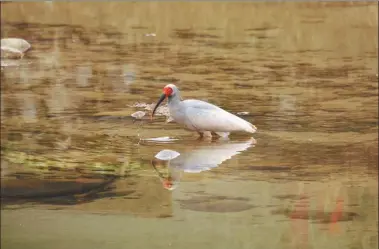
<point x="207" y="117"/>
<point x="204" y="117"/>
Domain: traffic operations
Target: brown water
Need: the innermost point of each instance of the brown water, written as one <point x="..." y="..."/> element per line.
<point x="77" y="171"/>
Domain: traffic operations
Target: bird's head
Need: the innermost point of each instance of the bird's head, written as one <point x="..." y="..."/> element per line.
<point x="169" y="91"/>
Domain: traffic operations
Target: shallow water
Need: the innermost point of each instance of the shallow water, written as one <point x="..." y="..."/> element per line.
<point x="79" y="171"/>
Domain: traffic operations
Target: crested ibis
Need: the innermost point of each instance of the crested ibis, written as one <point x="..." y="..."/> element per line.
<point x="200" y="116"/>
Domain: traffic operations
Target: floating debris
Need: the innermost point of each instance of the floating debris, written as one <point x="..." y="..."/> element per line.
<point x="161" y="111"/>
<point x="160" y="139"/>
<point x="242" y="113"/>
<point x="14" y="48"/>
<point x="169" y="119"/>
<point x="167" y="155"/>
<point x="138" y="115"/>
<point x="9" y="62"/>
<point x="151" y="34"/>
<point x="139" y="105"/>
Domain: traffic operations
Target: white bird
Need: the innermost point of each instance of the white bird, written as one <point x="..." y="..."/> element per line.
<point x="201" y="116"/>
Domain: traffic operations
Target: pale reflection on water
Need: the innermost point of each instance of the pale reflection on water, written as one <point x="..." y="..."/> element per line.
<point x="304" y="73"/>
<point x="199" y="158"/>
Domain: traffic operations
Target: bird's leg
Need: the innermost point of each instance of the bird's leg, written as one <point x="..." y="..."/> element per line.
<point x="215" y="134"/>
<point x="207" y="134"/>
<point x="200" y="134"/>
<point x="222" y="134"/>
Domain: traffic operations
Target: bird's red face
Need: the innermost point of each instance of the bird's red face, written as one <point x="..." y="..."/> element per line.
<point x="167" y="91"/>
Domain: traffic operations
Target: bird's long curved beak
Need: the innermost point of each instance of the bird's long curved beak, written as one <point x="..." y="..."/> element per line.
<point x="163" y="96"/>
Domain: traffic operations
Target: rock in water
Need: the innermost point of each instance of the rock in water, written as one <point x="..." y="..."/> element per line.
<point x="14" y="48"/>
<point x="167" y="155"/>
<point x="138" y="115"/>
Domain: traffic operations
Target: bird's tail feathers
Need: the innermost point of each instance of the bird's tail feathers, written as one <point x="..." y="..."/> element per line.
<point x="251" y="129"/>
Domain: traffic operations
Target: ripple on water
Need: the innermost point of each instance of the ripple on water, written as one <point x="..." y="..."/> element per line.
<point x="216" y="204"/>
<point x="317" y="216"/>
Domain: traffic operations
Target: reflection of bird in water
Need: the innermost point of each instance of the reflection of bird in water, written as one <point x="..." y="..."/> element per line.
<point x="198" y="159"/>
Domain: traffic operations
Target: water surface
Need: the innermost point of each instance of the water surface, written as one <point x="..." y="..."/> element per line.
<point x="78" y="171"/>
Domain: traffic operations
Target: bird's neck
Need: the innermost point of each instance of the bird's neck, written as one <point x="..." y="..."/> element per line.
<point x="174" y="100"/>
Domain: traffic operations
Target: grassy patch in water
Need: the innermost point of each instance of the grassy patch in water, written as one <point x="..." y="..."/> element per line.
<point x="56" y="162"/>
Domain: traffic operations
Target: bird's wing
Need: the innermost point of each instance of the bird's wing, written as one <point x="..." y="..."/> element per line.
<point x="200" y="104"/>
<point x="207" y="117"/>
